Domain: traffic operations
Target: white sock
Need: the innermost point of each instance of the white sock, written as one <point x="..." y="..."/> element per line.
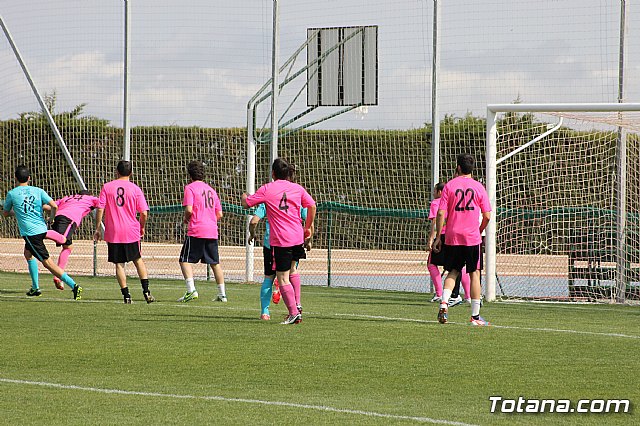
<point x="446" y="295"/>
<point x="475" y="307"/>
<point x="191" y="287"/>
<point x="221" y="291"/>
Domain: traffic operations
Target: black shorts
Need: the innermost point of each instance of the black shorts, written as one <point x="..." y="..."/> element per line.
<point x="124" y="252"/>
<point x="460" y="256"/>
<point x="440" y="257"/>
<point x="203" y="250"/>
<point x="269" y="266"/>
<point x="64" y="226"/>
<point x="285" y="255"/>
<point x="35" y="245"/>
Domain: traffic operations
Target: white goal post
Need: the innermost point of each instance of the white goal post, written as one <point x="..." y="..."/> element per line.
<point x="497" y="115"/>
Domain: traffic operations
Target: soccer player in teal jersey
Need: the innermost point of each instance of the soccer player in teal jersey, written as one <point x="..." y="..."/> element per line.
<point x="266" y="290"/>
<point x="26" y="202"/>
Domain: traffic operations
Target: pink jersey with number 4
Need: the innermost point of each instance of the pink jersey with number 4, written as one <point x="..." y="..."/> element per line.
<point x="463" y="199"/>
<point x="283" y="200"/>
<point x="433" y="212"/>
<point x="122" y="200"/>
<point x="76" y="206"/>
<point x="205" y="203"/>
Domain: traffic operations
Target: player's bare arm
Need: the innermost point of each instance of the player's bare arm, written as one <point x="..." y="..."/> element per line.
<point x="143" y="221"/>
<point x="432" y="233"/>
<point x="486" y="217"/>
<point x="188" y="212"/>
<point x="244" y="201"/>
<point x="253" y="224"/>
<point x="308" y="224"/>
<point x="439" y="225"/>
<point x="97" y="235"/>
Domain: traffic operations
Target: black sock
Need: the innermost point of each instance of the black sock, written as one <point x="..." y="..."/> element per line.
<point x="456" y="289"/>
<point x="475" y="317"/>
<point x="125" y="292"/>
<point x="145" y="285"/>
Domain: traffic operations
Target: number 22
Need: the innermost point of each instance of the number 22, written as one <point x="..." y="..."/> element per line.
<point x="462" y="194"/>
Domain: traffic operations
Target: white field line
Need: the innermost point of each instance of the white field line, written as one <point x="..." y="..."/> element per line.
<point x="378" y="317"/>
<point x="240" y="400"/>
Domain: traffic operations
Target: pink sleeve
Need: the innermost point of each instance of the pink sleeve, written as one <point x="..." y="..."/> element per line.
<point x="102" y="201"/>
<point x="95" y="202"/>
<point x="258" y="197"/>
<point x="444" y="198"/>
<point x="307" y="200"/>
<point x="142" y="202"/>
<point x="433" y="209"/>
<point x="187" y="200"/>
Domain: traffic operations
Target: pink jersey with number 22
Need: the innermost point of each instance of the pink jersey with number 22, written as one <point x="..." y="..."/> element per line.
<point x="283" y="200"/>
<point x="463" y="199"/>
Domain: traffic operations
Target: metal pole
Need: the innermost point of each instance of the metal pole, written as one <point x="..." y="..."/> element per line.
<point x="435" y="119"/>
<point x="126" y="125"/>
<point x="621" y="166"/>
<point x="45" y="111"/>
<point x="329" y="224"/>
<point x="490" y="278"/>
<point x="251" y="188"/>
<point x="275" y="71"/>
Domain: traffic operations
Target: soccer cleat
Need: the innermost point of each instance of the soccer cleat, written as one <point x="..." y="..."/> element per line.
<point x="148" y="297"/>
<point x="127" y="300"/>
<point x="189" y="296"/>
<point x="292" y="319"/>
<point x="77" y="291"/>
<point x="454" y="301"/>
<point x="221" y="298"/>
<point x="265" y="317"/>
<point x="58" y="283"/>
<point x="443" y="315"/>
<point x="34" y="292"/>
<point x="480" y="322"/>
<point x="436" y="299"/>
<point x="467" y="301"/>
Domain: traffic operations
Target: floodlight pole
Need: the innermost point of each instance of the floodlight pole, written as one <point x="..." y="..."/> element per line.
<point x="275" y="89"/>
<point x="126" y="154"/>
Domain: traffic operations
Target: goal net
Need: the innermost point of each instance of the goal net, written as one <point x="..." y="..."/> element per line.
<point x="563" y="180"/>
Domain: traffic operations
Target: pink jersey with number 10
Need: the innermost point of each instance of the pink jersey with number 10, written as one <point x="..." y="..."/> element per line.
<point x="463" y="199"/>
<point x="283" y="200"/>
<point x="122" y="200"/>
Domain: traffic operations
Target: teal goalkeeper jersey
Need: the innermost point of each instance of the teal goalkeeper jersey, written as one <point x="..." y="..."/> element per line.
<point x="27" y="202"/>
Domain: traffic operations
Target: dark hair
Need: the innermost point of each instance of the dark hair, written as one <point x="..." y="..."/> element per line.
<point x="124" y="168"/>
<point x="22" y="173"/>
<point x="196" y="170"/>
<point x="439" y="186"/>
<point x="466" y="163"/>
<point x="282" y="169"/>
<point x="85" y="192"/>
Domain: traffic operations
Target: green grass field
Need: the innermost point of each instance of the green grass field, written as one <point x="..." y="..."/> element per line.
<point x="359" y="357"/>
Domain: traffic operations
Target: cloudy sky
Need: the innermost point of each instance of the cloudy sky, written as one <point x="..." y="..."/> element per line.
<point x="197" y="62"/>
